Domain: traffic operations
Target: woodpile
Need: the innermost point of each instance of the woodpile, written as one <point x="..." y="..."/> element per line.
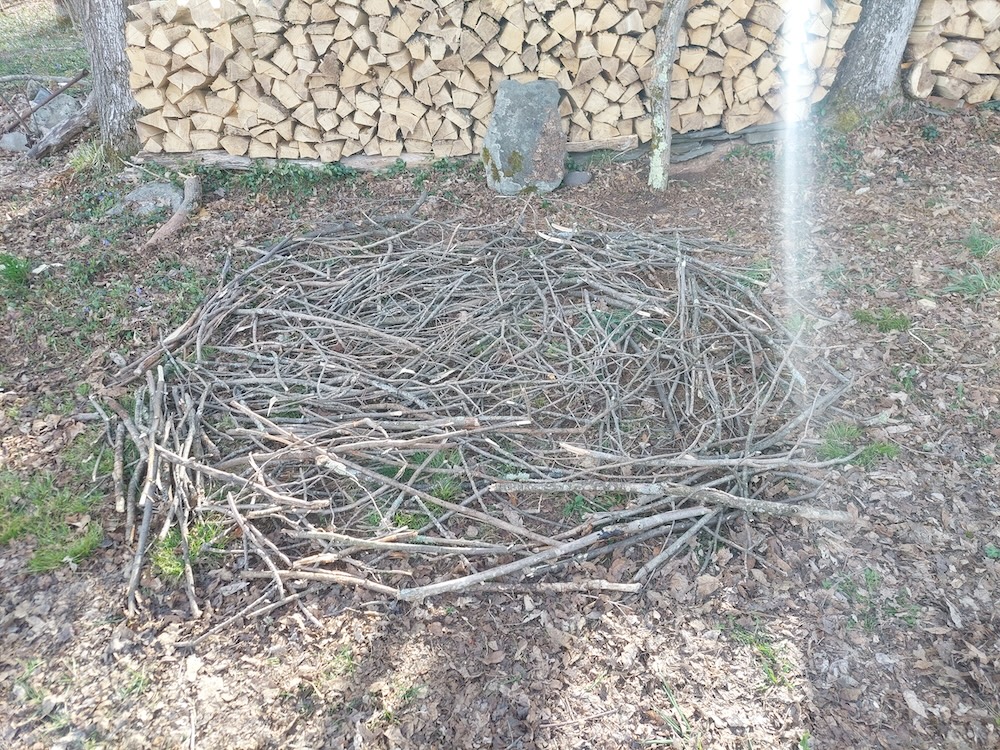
<point x="729" y="69"/>
<point x="954" y="51"/>
<point x="326" y="79"/>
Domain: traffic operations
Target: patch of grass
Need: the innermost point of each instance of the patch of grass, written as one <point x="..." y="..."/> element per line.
<point x="979" y="244"/>
<point x="92" y="158"/>
<point x="446" y="487"/>
<point x="759" y="272"/>
<point x="799" y="323"/>
<point x="839" y="441"/>
<point x="842" y="439"/>
<point x="343" y="662"/>
<point x="92" y="203"/>
<point x="677" y="722"/>
<point x="907" y="376"/>
<point x="972" y="283"/>
<point x="307" y="699"/>
<point x="96" y="298"/>
<point x="88" y="456"/>
<point x="138" y="682"/>
<point x="168" y="554"/>
<point x="930" y="133"/>
<point x="885" y="319"/>
<point x="773" y="665"/>
<point x="875" y="453"/>
<point x="578" y="505"/>
<point x="185" y="285"/>
<point x="874" y="608"/>
<point x="23" y="682"/>
<point x="15" y="275"/>
<point x="760" y="153"/>
<point x="33" y="41"/>
<point x="412" y="692"/>
<point x="411" y="520"/>
<point x="57" y="519"/>
<point x="835" y="276"/>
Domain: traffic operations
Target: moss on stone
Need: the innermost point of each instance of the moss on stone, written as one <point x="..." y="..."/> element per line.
<point x="516" y="164"/>
<point x="490" y="165"/>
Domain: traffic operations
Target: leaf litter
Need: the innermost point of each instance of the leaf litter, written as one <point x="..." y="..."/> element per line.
<point x="865" y="619"/>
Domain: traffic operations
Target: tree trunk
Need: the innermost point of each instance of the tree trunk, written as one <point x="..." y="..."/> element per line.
<point x="659" y="90"/>
<point x="869" y="77"/>
<point x="102" y="24"/>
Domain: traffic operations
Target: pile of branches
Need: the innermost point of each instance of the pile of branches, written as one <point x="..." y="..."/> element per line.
<point x="365" y="400"/>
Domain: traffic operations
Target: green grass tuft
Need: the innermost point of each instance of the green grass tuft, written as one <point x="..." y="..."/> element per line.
<point x="15" y="274"/>
<point x="93" y="158"/>
<point x="168" y="555"/>
<point x="842" y="439"/>
<point x="973" y="283"/>
<point x="875" y="453"/>
<point x="979" y="244"/>
<point x="885" y="320"/>
<point x="773" y="665"/>
<point x="839" y="441"/>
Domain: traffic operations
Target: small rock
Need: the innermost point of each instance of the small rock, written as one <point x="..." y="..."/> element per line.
<point x="15" y="142"/>
<point x="149" y="198"/>
<point x="55" y="112"/>
<point x="576" y="178"/>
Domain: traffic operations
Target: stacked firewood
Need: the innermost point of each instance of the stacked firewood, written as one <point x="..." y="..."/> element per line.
<point x="730" y="70"/>
<point x="327" y="78"/>
<point x="954" y="51"/>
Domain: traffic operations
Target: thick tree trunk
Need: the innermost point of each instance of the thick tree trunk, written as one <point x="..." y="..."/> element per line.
<point x="869" y="77"/>
<point x="659" y="90"/>
<point x="102" y="24"/>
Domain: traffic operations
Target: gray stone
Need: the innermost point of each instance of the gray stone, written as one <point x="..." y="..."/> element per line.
<point x="152" y="197"/>
<point x="55" y="112"/>
<point x="15" y="141"/>
<point x="575" y="178"/>
<point x="525" y="148"/>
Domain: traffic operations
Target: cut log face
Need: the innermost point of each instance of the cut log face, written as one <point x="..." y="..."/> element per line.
<point x="953" y="53"/>
<point x="329" y="78"/>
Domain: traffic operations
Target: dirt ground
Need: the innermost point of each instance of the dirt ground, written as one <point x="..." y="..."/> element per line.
<point x="880" y="634"/>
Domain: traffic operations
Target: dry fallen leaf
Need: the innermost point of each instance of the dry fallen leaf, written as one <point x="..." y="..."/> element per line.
<point x="915" y="704"/>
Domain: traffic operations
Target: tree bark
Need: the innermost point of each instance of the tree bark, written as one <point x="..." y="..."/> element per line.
<point x="659" y="90"/>
<point x="102" y="24"/>
<point x="868" y="79"/>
